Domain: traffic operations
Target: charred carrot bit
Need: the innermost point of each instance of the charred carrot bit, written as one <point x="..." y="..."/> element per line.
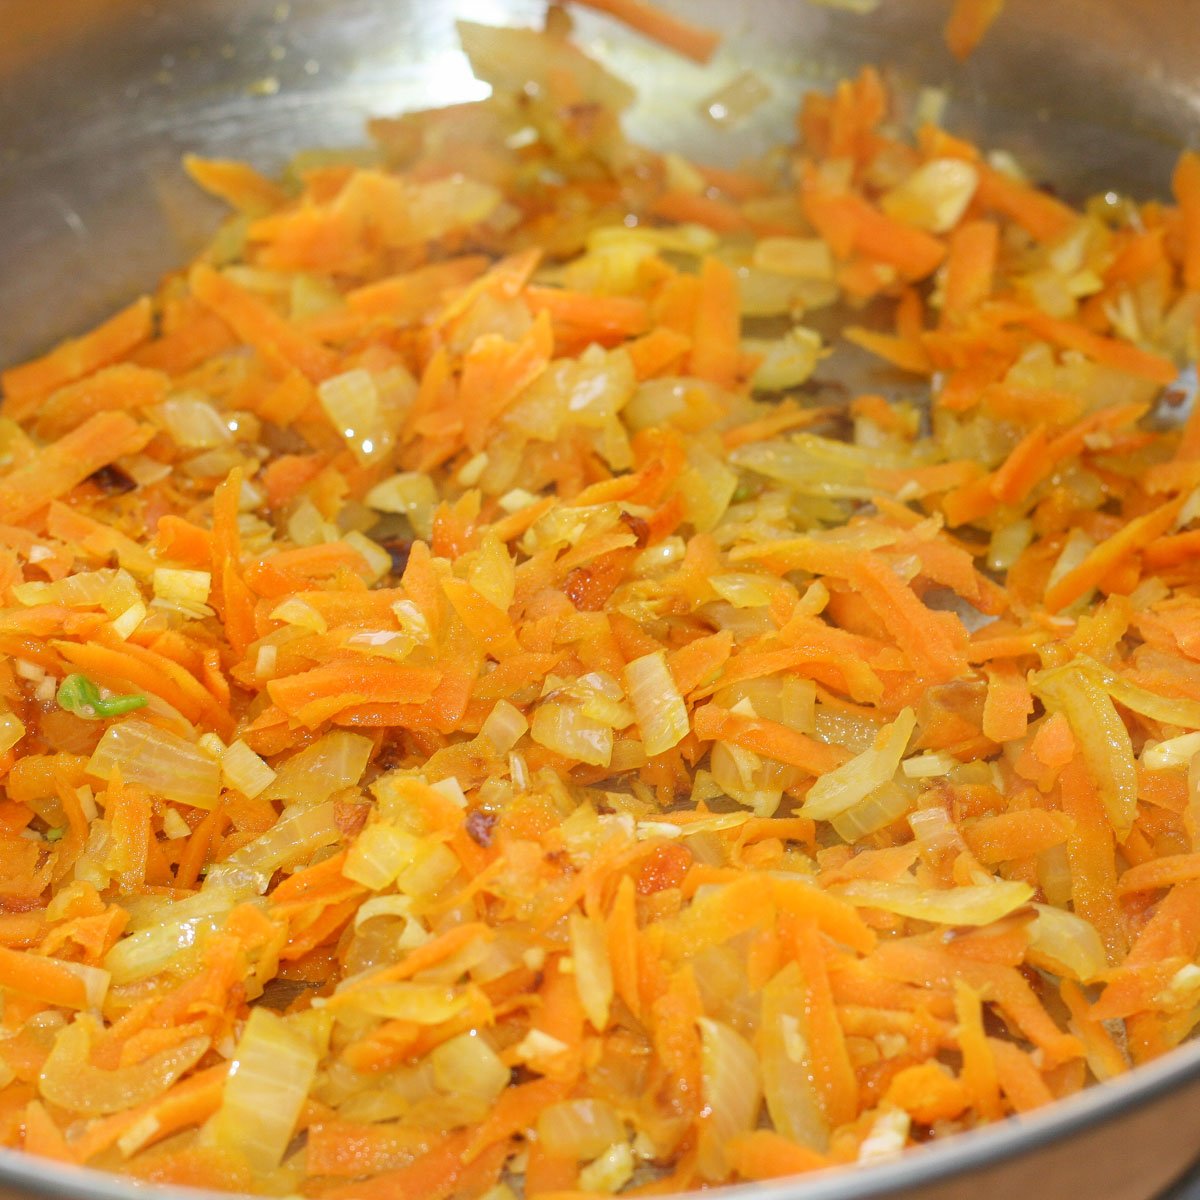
<point x="25" y="385"/>
<point x="686" y="37"/>
<point x="238" y="184"/>
<point x="63" y="465"/>
<point x="279" y="342"/>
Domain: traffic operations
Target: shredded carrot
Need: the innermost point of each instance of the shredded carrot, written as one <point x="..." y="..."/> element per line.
<point x="969" y="20"/>
<point x="452" y="627"/>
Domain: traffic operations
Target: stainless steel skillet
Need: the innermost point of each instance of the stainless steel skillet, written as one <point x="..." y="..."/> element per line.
<point x="99" y="98"/>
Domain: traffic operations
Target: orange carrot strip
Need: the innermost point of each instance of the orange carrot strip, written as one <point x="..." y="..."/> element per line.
<point x="970" y="268"/>
<point x="710" y="723"/>
<point x="1037" y="212"/>
<point x="258" y="325"/>
<point x="969" y="20"/>
<point x="24" y="385"/>
<point x="65" y="464"/>
<point x="1110" y="553"/>
<point x="1186" y="185"/>
<point x="716" y="353"/>
<point x="237" y="183"/>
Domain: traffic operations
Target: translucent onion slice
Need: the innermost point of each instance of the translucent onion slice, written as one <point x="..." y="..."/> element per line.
<point x="504" y="726"/>
<point x="12" y="730"/>
<point x="467" y="1066"/>
<point x="378" y="855"/>
<point x="580" y="1129"/>
<point x="1170" y="710"/>
<point x="312" y="775"/>
<point x="269" y="1076"/>
<point x="567" y="730"/>
<point x="840" y="789"/>
<point x="169" y="766"/>
<point x="293" y="838"/>
<point x="168" y="930"/>
<point x="1066" y="944"/>
<point x="887" y="803"/>
<point x="732" y="1092"/>
<point x="244" y="770"/>
<point x="593" y="971"/>
<point x="978" y="904"/>
<point x="661" y="713"/>
<point x="788" y="1079"/>
<point x="70" y="1080"/>
<point x="1101" y="734"/>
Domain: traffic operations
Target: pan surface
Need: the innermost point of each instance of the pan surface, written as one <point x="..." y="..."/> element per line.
<point x="100" y="98"/>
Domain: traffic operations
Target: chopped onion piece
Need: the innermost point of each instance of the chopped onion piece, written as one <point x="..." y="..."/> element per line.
<point x="244" y="771"/>
<point x="188" y="589"/>
<point x="789" y="1087"/>
<point x="293" y="838"/>
<point x="294" y="611"/>
<point x="1066" y="944"/>
<point x="593" y="972"/>
<point x="269" y="1077"/>
<point x="410" y="494"/>
<point x="735" y="100"/>
<point x="351" y="401"/>
<point x="580" y="1129"/>
<point x="803" y="258"/>
<point x="12" y="730"/>
<point x="877" y="810"/>
<point x="1169" y="710"/>
<point x="69" y="1079"/>
<point x="662" y="716"/>
<point x="504" y="726"/>
<point x="421" y="1003"/>
<point x="467" y="1066"/>
<point x="194" y="423"/>
<point x="609" y="1172"/>
<point x="977" y="904"/>
<point x="566" y="729"/>
<point x="378" y="855"/>
<point x="170" y="930"/>
<point x="169" y="766"/>
<point x="312" y="775"/>
<point x="787" y="362"/>
<point x="732" y="1092"/>
<point x="1173" y="754"/>
<point x="840" y="789"/>
<point x="935" y="196"/>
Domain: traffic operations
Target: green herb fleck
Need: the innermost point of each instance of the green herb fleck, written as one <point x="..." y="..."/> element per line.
<point x="79" y="695"/>
<point x="55" y="835"/>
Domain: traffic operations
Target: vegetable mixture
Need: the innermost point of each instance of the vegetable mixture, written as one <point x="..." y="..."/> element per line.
<point x="482" y="712"/>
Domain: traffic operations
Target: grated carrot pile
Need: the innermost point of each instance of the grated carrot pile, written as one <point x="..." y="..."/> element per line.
<point x="480" y="711"/>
